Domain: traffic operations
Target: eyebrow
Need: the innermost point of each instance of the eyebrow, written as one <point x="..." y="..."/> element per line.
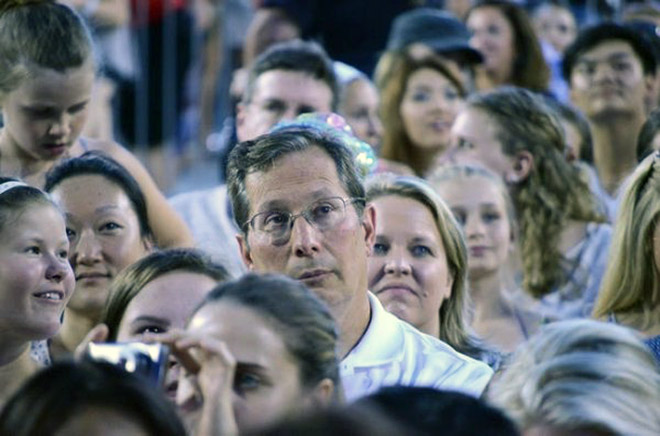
<point x="150" y="318"/>
<point x="281" y="204"/>
<point x="249" y="366"/>
<point x="612" y="57"/>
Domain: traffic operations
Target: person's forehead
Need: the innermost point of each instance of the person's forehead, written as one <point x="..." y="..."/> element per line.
<point x="607" y="49"/>
<point x="310" y="173"/>
<point x="292" y="85"/>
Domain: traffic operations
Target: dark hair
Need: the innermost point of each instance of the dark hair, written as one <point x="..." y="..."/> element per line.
<point x="529" y="69"/>
<point x="43" y="33"/>
<point x="56" y="394"/>
<point x="261" y="154"/>
<point x="130" y="282"/>
<point x="648" y="132"/>
<point x="96" y="163"/>
<point x="302" y="320"/>
<point x="295" y="56"/>
<point x="426" y="410"/>
<point x="16" y="199"/>
<point x="595" y="35"/>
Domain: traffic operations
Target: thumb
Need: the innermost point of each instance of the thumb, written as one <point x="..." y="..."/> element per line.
<point x="99" y="333"/>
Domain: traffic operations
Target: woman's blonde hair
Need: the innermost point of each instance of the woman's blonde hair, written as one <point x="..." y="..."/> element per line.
<point x="453" y="311"/>
<point x="553" y="191"/>
<point x="631" y="283"/>
<point x="395" y="71"/>
<point x="582" y="375"/>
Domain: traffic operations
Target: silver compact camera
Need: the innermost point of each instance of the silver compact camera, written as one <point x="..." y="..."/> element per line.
<point x="148" y="361"/>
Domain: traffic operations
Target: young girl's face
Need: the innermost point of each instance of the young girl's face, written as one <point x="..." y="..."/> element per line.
<point x="480" y="208"/>
<point x="408" y="268"/>
<point x="36" y="280"/>
<point x="45" y="115"/>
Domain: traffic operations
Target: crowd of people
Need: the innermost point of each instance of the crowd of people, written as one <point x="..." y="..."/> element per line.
<point x="431" y="221"/>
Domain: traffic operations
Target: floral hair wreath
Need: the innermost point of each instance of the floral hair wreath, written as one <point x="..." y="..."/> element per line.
<point x="335" y="127"/>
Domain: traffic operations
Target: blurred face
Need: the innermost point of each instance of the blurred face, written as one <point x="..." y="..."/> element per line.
<point x="360" y="109"/>
<point x="267" y="385"/>
<point x="494" y="37"/>
<point x="479" y="207"/>
<point x="573" y="140"/>
<point x="281" y="95"/>
<point x="164" y="304"/>
<point x="36" y="280"/>
<point x="104" y="232"/>
<point x="608" y="80"/>
<point x="430" y="104"/>
<point x="408" y="269"/>
<point x="332" y="261"/>
<point x="474" y="140"/>
<point x="556" y="25"/>
<point x="45" y="115"/>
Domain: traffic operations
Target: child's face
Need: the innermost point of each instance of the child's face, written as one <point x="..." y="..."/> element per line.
<point x="36" y="280"/>
<point x="556" y="25"/>
<point x="45" y="115"/>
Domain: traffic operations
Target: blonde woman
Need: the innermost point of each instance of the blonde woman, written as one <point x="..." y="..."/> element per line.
<point x="482" y="205"/>
<point x="563" y="239"/>
<point x="630" y="293"/>
<point x="581" y="377"/>
<point x="418" y="265"/>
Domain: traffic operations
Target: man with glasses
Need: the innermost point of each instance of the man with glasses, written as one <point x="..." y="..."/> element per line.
<point x="299" y="202"/>
<point x="610" y="69"/>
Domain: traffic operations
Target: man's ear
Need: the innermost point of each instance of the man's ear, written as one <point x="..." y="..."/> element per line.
<point x="240" y="121"/>
<point x="369" y="226"/>
<point x="651" y="90"/>
<point x="322" y="394"/>
<point x="245" y="250"/>
<point x="523" y="163"/>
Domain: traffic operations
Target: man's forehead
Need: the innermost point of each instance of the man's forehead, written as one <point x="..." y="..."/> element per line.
<point x="608" y="49"/>
<point x="276" y="84"/>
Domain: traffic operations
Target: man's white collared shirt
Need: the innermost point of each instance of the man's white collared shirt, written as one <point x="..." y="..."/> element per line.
<point x="392" y="352"/>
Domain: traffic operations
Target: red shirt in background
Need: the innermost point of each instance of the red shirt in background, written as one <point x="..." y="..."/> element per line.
<point x="153" y="10"/>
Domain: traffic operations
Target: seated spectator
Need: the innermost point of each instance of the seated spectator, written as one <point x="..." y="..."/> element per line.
<point x="420" y="99"/>
<point x="427" y="412"/>
<point x="630" y="292"/>
<point x="285" y="81"/>
<point x="563" y="239"/>
<point x="603" y="56"/>
<point x="504" y="35"/>
<point x="418" y="265"/>
<point x="581" y="377"/>
<point x="298" y="199"/>
<point x="90" y="398"/>
<point x="483" y="207"/>
<point x="45" y="89"/>
<point x="36" y="280"/>
<point x="257" y="350"/>
<point x="108" y="229"/>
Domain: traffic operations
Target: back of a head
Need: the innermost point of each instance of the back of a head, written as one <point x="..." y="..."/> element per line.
<point x="295" y="56"/>
<point x="44" y="33"/>
<point x="427" y="411"/>
<point x="582" y="375"/>
<point x="595" y="35"/>
<point x="58" y="394"/>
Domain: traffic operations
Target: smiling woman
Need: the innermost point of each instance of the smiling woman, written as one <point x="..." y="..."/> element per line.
<point x="108" y="229"/>
<point x="36" y="280"/>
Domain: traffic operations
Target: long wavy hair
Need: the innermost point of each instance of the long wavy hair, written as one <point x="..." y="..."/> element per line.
<point x="552" y="193"/>
<point x="631" y="283"/>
